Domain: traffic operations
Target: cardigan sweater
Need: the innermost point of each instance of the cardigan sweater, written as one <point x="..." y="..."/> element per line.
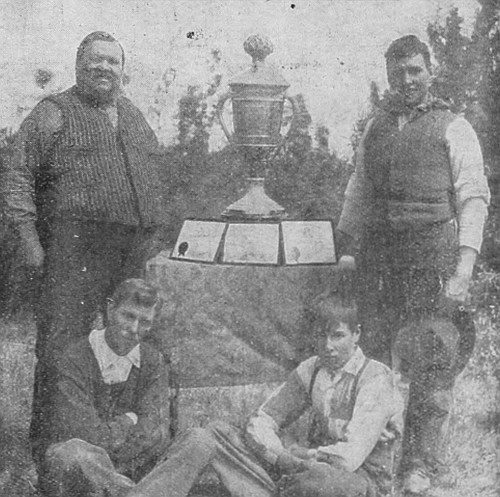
<point x="100" y="173"/>
<point x="71" y="162"/>
<point x="87" y="408"/>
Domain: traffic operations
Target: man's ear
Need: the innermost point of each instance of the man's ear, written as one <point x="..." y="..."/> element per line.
<point x="357" y="333"/>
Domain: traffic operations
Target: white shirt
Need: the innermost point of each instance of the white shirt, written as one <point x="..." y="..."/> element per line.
<point x="378" y="410"/>
<point x="114" y="368"/>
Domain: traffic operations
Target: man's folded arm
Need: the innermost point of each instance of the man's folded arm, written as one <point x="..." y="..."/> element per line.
<point x="151" y="432"/>
<point x="75" y="415"/>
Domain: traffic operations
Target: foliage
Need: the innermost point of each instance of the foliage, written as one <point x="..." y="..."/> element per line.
<point x="362" y="121"/>
<point x="308" y="179"/>
<point x="458" y="75"/>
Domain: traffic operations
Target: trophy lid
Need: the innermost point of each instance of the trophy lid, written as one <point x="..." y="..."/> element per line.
<point x="260" y="74"/>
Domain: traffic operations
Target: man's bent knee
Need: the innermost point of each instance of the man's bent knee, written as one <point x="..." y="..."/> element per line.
<point x="71" y="453"/>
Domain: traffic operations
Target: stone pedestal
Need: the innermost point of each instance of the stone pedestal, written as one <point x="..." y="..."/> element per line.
<point x="235" y="325"/>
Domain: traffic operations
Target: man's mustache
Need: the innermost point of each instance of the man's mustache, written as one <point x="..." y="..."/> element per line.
<point x="99" y="73"/>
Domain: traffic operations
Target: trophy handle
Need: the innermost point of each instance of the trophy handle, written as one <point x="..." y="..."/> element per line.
<point x="294" y="113"/>
<point x="220" y="110"/>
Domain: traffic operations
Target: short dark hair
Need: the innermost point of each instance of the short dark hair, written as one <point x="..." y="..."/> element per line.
<point x="330" y="311"/>
<point x="408" y="46"/>
<point x="138" y="292"/>
<point x="96" y="36"/>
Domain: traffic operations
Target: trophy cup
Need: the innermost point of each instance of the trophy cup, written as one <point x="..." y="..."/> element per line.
<point x="255" y="230"/>
<point x="257" y="97"/>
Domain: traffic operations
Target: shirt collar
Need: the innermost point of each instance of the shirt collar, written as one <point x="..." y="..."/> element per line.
<point x="114" y="368"/>
<point x="392" y="103"/>
<point x="354" y="364"/>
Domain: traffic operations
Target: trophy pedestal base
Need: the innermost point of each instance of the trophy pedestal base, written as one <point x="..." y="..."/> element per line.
<point x="255" y="205"/>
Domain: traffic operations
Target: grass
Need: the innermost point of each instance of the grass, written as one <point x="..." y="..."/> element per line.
<point x="473" y="452"/>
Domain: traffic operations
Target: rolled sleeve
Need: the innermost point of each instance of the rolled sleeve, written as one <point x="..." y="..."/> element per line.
<point x="472" y="195"/>
<point x="262" y="433"/>
<point x="150" y="433"/>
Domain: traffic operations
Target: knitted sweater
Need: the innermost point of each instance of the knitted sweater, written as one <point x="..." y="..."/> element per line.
<point x="71" y="162"/>
<point x="87" y="408"/>
<point x="102" y="173"/>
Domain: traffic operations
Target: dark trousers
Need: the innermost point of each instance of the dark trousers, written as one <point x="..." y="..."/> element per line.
<point x="401" y="277"/>
<point x="80" y="469"/>
<point x="84" y="262"/>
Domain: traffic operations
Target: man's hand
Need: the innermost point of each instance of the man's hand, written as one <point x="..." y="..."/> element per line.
<point x="33" y="255"/>
<point x="344" y="244"/>
<point x="346" y="263"/>
<point x="288" y="464"/>
<point x="457" y="287"/>
<point x="301" y="452"/>
<point x="31" y="250"/>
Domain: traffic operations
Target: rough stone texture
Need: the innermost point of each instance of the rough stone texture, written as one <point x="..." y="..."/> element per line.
<point x="235" y="325"/>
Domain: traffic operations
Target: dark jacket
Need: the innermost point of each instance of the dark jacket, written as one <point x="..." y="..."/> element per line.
<point x="86" y="408"/>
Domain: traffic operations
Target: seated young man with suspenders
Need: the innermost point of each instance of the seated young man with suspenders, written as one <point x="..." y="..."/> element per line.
<point x="357" y="416"/>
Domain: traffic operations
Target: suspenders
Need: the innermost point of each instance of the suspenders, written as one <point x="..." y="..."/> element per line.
<point x="313" y="435"/>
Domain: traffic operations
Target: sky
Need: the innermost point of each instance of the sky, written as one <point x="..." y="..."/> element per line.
<point x="328" y="50"/>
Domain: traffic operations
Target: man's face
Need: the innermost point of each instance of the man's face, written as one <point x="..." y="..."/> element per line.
<point x="410" y="78"/>
<point x="337" y="346"/>
<point x="128" y="323"/>
<point x="100" y="69"/>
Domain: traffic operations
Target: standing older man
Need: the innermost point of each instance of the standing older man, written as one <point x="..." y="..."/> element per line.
<point x="85" y="198"/>
<point x="416" y="205"/>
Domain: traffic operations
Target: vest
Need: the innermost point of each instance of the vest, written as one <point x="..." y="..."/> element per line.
<point x="101" y="173"/>
<point x="410" y="170"/>
<point x="379" y="463"/>
<point x="315" y="436"/>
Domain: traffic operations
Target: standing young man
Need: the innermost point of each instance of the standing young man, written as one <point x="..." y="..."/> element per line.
<point x="416" y="206"/>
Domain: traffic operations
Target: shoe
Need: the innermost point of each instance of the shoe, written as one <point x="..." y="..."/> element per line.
<point x="416" y="482"/>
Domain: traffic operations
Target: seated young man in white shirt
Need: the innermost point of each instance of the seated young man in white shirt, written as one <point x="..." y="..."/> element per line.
<point x="109" y="419"/>
<point x="357" y="417"/>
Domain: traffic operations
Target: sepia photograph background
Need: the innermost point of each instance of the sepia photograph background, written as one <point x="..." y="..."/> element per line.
<point x="233" y="333"/>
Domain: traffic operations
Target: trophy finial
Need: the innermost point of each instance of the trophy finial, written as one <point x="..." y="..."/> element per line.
<point x="258" y="47"/>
